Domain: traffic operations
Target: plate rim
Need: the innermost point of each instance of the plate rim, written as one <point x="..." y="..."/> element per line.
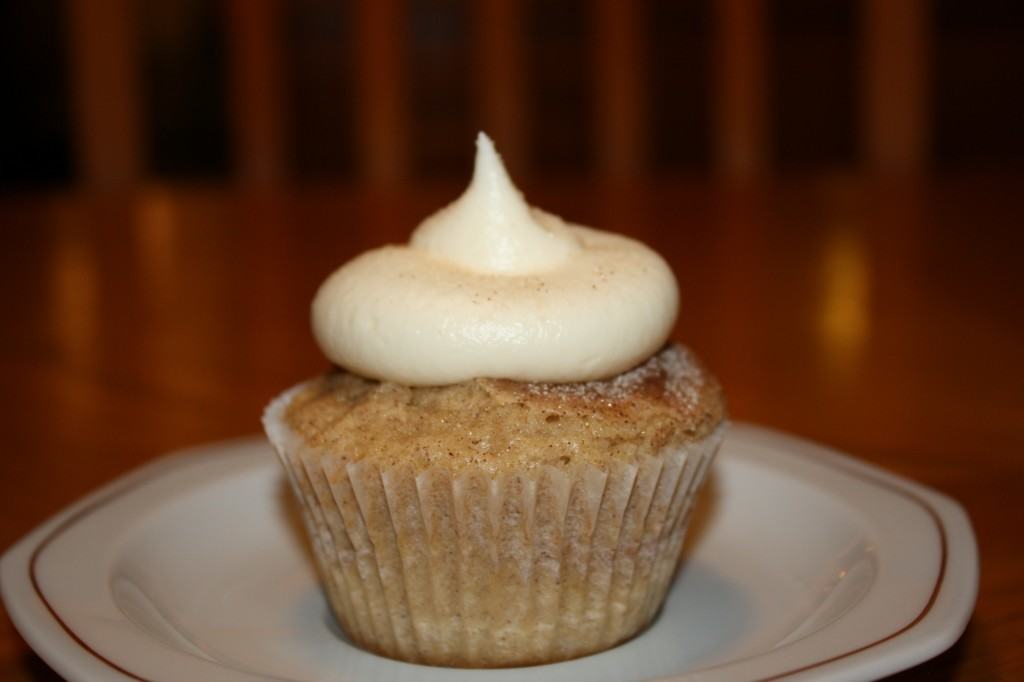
<point x="18" y="565"/>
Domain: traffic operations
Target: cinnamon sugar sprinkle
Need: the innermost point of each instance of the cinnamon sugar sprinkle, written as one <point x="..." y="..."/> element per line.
<point x="675" y="370"/>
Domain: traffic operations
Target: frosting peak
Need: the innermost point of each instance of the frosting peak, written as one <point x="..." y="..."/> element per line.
<point x="490" y="287"/>
<point x="491" y="228"/>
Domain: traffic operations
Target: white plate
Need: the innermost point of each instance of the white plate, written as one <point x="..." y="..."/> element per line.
<point x="801" y="562"/>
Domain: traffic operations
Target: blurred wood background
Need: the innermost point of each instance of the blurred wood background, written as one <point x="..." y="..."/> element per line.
<point x="110" y="93"/>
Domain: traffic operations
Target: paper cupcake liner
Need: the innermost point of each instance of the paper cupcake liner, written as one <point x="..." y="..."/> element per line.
<point x="474" y="570"/>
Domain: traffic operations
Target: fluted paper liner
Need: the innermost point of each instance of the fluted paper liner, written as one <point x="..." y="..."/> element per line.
<point x="478" y="570"/>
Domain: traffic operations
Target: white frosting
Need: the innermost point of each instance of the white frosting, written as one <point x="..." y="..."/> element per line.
<point x="489" y="287"/>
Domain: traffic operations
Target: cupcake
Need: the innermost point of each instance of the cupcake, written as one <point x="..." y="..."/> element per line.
<point x="499" y="470"/>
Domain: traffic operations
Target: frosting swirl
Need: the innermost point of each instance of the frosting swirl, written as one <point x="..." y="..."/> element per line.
<point x="490" y="287"/>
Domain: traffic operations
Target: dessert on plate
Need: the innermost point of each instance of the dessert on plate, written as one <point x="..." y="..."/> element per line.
<point x="500" y="467"/>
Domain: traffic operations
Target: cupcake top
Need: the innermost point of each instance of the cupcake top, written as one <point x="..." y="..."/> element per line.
<point x="489" y="287"/>
<point x="497" y="424"/>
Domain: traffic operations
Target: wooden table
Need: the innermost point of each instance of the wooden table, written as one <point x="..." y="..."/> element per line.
<point x="887" y="320"/>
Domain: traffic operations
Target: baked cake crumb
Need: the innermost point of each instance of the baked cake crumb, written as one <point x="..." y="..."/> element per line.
<point x="500" y="424"/>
